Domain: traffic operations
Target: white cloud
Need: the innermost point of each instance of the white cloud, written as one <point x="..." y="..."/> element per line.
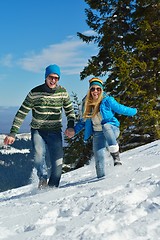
<point x="89" y="33"/>
<point x="7" y="60"/>
<point x="71" y="55"/>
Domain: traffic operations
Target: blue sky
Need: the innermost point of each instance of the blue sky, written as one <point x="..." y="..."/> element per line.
<point x="35" y="34"/>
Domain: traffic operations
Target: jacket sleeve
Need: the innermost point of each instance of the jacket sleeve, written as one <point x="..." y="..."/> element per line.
<point x="120" y="108"/>
<point x="80" y="125"/>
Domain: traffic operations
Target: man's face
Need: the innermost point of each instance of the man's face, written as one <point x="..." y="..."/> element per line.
<point x="52" y="80"/>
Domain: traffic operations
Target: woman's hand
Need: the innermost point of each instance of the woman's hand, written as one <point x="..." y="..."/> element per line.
<point x="69" y="132"/>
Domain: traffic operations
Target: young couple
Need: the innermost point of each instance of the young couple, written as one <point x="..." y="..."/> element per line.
<point x="46" y="102"/>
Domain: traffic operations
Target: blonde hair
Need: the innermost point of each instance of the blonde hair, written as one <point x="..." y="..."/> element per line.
<point x="91" y="106"/>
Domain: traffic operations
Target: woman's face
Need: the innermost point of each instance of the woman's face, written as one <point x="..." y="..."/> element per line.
<point x="95" y="91"/>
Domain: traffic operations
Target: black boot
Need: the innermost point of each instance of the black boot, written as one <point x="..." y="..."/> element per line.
<point x="116" y="158"/>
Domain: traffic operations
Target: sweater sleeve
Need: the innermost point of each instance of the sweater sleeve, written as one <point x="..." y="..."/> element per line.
<point x="20" y="115"/>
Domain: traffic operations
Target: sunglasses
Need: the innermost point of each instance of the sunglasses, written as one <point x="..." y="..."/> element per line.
<point x="53" y="78"/>
<point x="98" y="89"/>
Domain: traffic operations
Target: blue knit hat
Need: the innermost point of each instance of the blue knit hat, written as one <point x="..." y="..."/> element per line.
<point x="52" y="69"/>
<point x="95" y="81"/>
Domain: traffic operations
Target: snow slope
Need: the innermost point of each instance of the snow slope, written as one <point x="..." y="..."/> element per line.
<point x="125" y="205"/>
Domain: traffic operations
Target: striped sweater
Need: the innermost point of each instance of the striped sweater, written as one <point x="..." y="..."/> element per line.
<point x="46" y="105"/>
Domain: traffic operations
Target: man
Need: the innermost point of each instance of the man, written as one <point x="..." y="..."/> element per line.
<point x="46" y="102"/>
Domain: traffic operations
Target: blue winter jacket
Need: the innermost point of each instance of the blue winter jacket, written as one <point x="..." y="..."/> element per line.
<point x="108" y="107"/>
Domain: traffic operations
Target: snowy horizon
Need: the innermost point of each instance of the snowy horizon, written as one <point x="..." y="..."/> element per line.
<point x="125" y="205"/>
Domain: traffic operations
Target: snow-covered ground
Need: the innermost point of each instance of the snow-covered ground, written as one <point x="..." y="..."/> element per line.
<point x="125" y="205"/>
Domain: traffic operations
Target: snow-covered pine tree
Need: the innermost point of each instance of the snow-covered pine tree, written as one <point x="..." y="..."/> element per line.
<point x="76" y="152"/>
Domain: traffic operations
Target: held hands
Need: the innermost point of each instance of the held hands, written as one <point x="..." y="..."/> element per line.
<point x="69" y="132"/>
<point x="9" y="140"/>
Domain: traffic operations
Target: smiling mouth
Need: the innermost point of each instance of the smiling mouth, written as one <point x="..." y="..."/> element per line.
<point x="52" y="83"/>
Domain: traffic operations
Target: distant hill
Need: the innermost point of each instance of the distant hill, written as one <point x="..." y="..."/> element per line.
<point x="16" y="162"/>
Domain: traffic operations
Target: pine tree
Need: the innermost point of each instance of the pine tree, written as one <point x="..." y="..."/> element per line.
<point x="127" y="34"/>
<point x="77" y="153"/>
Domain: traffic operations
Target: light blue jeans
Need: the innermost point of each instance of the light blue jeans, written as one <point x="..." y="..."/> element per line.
<point x="44" y="141"/>
<point x="101" y="140"/>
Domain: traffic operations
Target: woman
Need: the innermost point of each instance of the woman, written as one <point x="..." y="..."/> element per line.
<point x="99" y="120"/>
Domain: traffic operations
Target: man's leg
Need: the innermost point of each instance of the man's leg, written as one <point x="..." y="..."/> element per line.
<point x="39" y="151"/>
<point x="54" y="142"/>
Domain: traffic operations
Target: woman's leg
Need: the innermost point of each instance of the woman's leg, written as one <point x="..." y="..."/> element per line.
<point x="99" y="150"/>
<point x="111" y="134"/>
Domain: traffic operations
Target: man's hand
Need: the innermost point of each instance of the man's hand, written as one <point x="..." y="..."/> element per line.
<point x="69" y="132"/>
<point x="9" y="140"/>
